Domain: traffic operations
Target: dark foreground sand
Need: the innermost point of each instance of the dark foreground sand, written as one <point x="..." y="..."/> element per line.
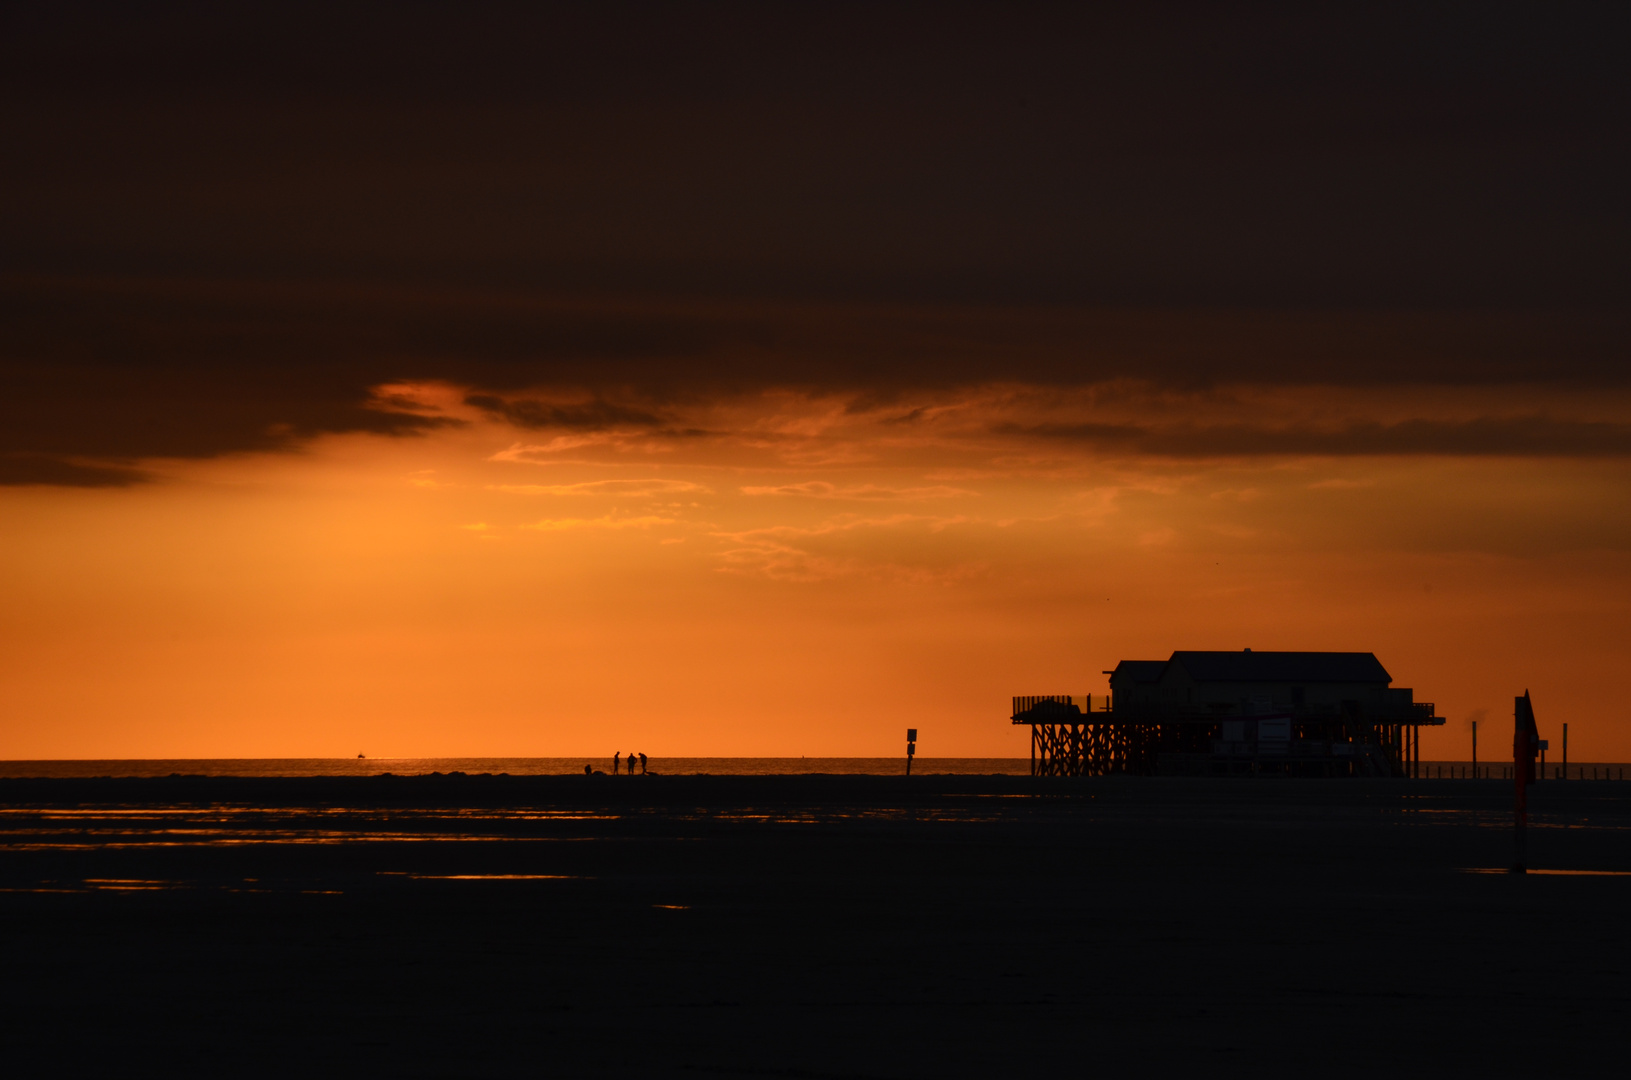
<point x="809" y="926"/>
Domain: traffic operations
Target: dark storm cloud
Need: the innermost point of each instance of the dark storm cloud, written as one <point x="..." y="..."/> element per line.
<point x="1455" y="157"/>
<point x="590" y="416"/>
<point x="18" y="470"/>
<point x="221" y="226"/>
<point x="1521" y="436"/>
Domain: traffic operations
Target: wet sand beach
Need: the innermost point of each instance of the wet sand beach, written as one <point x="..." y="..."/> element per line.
<point x="855" y="926"/>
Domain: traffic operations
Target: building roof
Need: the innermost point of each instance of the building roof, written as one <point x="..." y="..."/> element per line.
<point x="1280" y="667"/>
<point x="1147" y="671"/>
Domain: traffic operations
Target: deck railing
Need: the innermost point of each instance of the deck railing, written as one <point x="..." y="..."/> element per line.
<point x="1053" y="704"/>
<point x="1060" y="708"/>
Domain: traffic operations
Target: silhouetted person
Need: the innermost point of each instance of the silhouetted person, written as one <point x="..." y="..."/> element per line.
<point x="587" y="770"/>
<point x="617" y="763"/>
<point x="642" y="764"/>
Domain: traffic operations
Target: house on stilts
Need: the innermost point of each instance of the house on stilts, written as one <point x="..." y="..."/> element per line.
<point x="1198" y="713"/>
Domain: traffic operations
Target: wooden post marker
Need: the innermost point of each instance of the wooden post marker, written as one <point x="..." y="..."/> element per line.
<point x="1526" y="746"/>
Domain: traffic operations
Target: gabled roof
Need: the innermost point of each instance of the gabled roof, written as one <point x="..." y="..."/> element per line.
<point x="1281" y="667"/>
<point x="1140" y="671"/>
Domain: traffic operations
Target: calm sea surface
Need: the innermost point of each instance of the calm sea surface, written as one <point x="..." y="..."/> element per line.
<point x="732" y="766"/>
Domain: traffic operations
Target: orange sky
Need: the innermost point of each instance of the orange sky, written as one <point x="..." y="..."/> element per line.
<point x="784" y="573"/>
<point x="553" y="380"/>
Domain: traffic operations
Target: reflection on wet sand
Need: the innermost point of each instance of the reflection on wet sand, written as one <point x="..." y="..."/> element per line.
<point x="530" y="831"/>
<point x="112" y="828"/>
<point x="1548" y="873"/>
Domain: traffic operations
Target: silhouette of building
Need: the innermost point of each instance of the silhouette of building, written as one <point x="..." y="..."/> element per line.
<point x="1299" y="713"/>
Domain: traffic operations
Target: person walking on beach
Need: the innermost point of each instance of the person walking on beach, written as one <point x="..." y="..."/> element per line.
<point x="617" y="762"/>
<point x="642" y="764"/>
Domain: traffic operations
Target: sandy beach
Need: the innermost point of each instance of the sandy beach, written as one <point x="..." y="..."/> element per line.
<point x="809" y="926"/>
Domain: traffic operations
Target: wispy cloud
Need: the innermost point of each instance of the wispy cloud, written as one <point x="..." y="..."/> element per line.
<point x="536" y="453"/>
<point x="789" y="552"/>
<point x="1337" y="483"/>
<point x="821" y="489"/>
<point x="426" y="478"/>
<point x="610" y="521"/>
<point x="623" y="488"/>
